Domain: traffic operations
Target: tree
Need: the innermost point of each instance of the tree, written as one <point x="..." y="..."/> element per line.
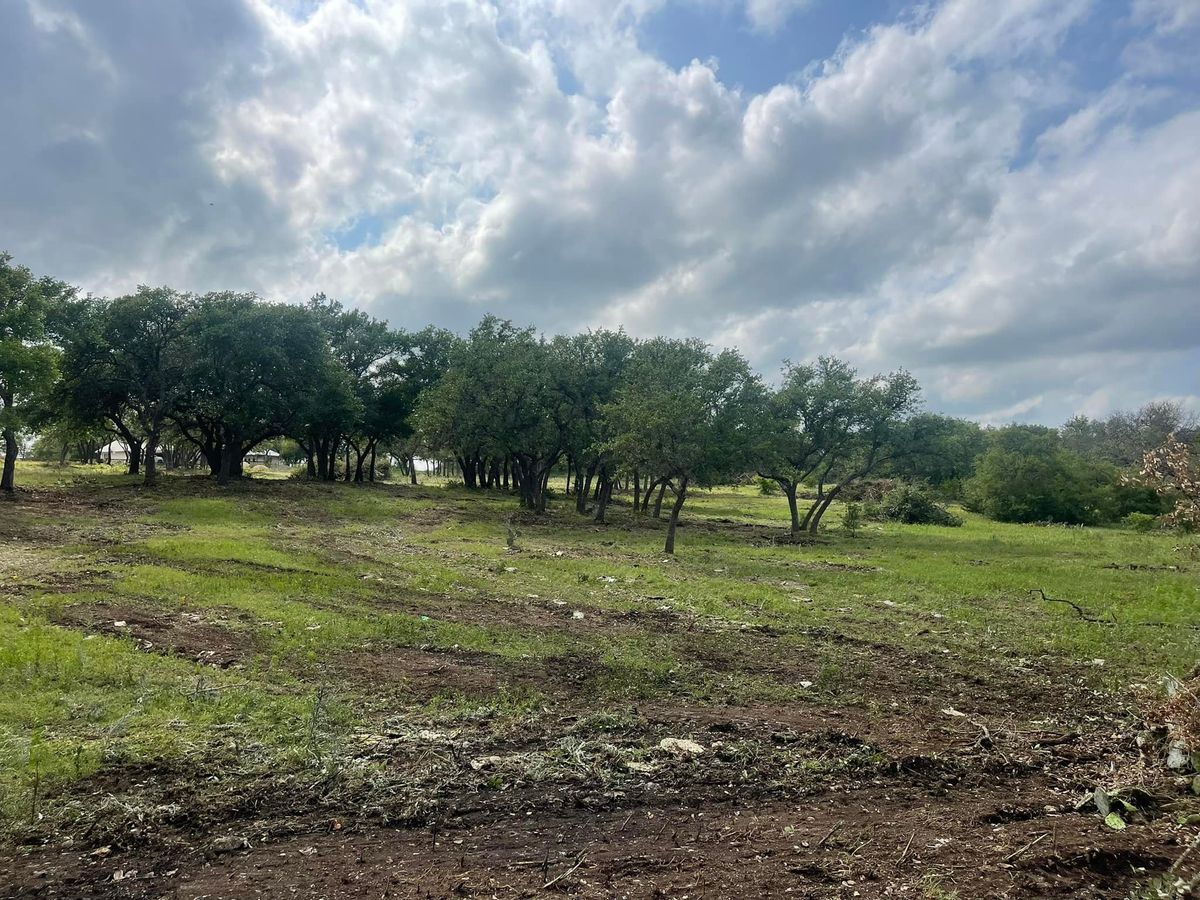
<point x="91" y="391"/>
<point x="589" y="368"/>
<point x="1027" y="476"/>
<point x="1124" y="438"/>
<point x="27" y="356"/>
<point x="143" y="339"/>
<point x="1173" y="472"/>
<point x="829" y="427"/>
<point x="499" y="402"/>
<point x="248" y="364"/>
<point x="363" y="346"/>
<point x="422" y="363"/>
<point x="942" y="452"/>
<point x="686" y="415"/>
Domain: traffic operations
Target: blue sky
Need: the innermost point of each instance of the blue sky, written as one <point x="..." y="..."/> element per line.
<point x="1003" y="198"/>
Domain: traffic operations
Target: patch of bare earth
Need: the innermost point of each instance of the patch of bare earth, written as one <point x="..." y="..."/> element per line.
<point x="208" y="637"/>
<point x="971" y="784"/>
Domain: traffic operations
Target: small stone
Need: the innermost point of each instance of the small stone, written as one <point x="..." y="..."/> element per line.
<point x="1179" y="756"/>
<point x="486" y="763"/>
<point x="680" y="747"/>
<point x="228" y="843"/>
<point x="577" y="614"/>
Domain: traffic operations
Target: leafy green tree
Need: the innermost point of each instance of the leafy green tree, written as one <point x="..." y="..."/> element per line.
<point x="423" y="361"/>
<point x="141" y="352"/>
<point x="687" y="415"/>
<point x="248" y="364"/>
<point x="499" y="401"/>
<point x="589" y="368"/>
<point x="828" y="427"/>
<point x="27" y="355"/>
<point x="364" y="347"/>
<point x="1124" y="438"/>
<point x="942" y="452"/>
<point x="88" y="394"/>
<point x="1027" y="476"/>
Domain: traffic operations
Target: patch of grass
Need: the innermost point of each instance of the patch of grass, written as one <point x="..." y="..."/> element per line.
<point x="318" y="571"/>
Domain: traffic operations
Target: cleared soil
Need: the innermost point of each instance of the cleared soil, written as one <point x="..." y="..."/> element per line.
<point x="933" y="778"/>
<point x="802" y="799"/>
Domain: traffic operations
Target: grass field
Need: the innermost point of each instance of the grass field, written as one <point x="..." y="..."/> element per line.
<point x="352" y="689"/>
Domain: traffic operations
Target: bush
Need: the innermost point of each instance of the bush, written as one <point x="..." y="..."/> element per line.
<point x="869" y="490"/>
<point x="768" y="486"/>
<point x="1042" y="484"/>
<point x="912" y="505"/>
<point x="1140" y="521"/>
<point x="852" y="519"/>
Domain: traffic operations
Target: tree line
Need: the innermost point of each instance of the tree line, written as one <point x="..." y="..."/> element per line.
<point x="204" y="379"/>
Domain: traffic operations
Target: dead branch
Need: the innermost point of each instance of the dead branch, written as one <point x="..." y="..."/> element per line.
<point x="1112" y="620"/>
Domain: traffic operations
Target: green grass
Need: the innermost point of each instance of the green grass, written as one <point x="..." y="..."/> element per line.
<point x="311" y="573"/>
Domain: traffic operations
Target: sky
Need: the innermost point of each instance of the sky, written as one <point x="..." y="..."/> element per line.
<point x="1001" y="196"/>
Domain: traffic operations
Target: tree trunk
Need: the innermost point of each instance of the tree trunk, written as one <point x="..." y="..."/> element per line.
<point x="134" y="462"/>
<point x="791" y="488"/>
<point x="412" y="470"/>
<point x="371" y="470"/>
<point x="820" y="506"/>
<point x="662" y="489"/>
<point x="606" y="489"/>
<point x="680" y="495"/>
<point x="231" y="449"/>
<point x="312" y="465"/>
<point x="808" y="515"/>
<point x="151" y="453"/>
<point x="7" y="480"/>
<point x="637" y="490"/>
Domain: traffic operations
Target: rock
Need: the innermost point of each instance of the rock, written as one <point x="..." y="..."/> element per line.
<point x="577" y="614"/>
<point x="1179" y="756"/>
<point x="228" y="843"/>
<point x="487" y="763"/>
<point x="681" y="747"/>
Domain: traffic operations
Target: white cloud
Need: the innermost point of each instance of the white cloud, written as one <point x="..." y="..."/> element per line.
<point x="939" y="193"/>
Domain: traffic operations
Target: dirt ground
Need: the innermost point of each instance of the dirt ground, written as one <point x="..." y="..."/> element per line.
<point x="908" y="797"/>
<point x="938" y="779"/>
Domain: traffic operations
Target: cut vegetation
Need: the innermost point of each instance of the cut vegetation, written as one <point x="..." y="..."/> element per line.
<point x="309" y="689"/>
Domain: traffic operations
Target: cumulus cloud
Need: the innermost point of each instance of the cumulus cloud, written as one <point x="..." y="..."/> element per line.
<point x="943" y="191"/>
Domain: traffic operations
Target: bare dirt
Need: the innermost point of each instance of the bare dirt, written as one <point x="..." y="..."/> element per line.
<point x="212" y="637"/>
<point x="969" y="787"/>
<point x="906" y="774"/>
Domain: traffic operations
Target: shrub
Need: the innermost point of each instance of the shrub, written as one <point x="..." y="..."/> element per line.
<point x="1140" y="521"/>
<point x="913" y="505"/>
<point x="869" y="490"/>
<point x="852" y="519"/>
<point x="1042" y="484"/>
<point x="768" y="486"/>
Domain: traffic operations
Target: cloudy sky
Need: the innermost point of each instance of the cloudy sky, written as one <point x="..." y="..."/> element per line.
<point x="1002" y="196"/>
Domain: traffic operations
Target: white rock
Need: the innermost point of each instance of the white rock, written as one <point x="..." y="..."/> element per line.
<point x="680" y="747"/>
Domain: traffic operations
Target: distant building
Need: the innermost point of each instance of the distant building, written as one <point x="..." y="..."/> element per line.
<point x="116" y="453"/>
<point x="269" y="458"/>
